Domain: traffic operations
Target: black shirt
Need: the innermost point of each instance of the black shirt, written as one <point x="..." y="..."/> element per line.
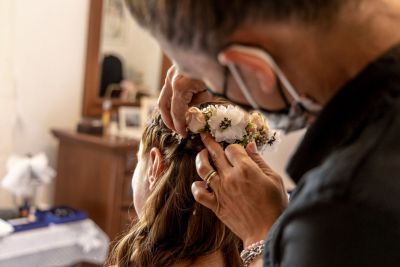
<point x="346" y="208"/>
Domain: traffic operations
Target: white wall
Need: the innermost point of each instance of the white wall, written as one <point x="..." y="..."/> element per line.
<point x="7" y="89"/>
<point x="44" y="84"/>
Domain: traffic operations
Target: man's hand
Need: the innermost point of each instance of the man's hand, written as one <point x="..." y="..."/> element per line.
<point x="177" y="94"/>
<point x="248" y="196"/>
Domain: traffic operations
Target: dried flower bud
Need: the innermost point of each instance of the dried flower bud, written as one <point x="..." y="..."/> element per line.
<point x="258" y="120"/>
<point x="195" y="120"/>
<point x="251" y="128"/>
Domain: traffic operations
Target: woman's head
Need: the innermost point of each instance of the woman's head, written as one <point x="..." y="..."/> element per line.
<point x="162" y="158"/>
<point x="172" y="227"/>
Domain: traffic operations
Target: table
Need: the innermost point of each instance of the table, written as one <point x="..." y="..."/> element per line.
<point x="55" y="245"/>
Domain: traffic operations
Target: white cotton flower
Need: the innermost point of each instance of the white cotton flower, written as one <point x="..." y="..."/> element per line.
<point x="228" y="124"/>
<point x="275" y="138"/>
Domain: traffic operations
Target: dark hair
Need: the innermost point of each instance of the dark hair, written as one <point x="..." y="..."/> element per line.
<point x="174" y="227"/>
<point x="207" y="24"/>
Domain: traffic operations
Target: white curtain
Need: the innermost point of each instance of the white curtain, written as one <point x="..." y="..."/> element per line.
<point x="7" y="90"/>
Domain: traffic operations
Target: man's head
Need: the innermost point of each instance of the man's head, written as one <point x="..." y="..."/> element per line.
<point x="208" y="25"/>
<point x="312" y="41"/>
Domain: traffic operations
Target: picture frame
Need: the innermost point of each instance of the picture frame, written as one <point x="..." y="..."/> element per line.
<point x="147" y="106"/>
<point x="130" y="122"/>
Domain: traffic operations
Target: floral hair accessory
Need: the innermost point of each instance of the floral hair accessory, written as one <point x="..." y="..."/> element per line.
<point x="229" y="124"/>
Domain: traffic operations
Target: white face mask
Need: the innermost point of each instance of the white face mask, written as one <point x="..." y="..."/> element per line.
<point x="299" y="110"/>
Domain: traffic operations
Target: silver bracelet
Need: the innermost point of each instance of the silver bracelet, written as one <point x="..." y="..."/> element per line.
<point x="251" y="252"/>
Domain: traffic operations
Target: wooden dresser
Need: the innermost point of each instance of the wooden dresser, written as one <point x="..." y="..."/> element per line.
<point x="94" y="174"/>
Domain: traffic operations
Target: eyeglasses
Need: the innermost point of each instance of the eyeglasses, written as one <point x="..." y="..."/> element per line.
<point x="224" y="86"/>
<point x="231" y="68"/>
<point x="224" y="93"/>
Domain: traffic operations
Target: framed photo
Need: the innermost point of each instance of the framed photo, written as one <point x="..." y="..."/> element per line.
<point x="147" y="105"/>
<point x="130" y="122"/>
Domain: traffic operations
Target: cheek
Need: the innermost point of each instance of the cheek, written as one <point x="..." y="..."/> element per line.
<point x="265" y="94"/>
<point x="196" y="65"/>
<point x="139" y="188"/>
<point x="213" y="76"/>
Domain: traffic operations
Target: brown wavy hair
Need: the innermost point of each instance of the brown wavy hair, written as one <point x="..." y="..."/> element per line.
<point x="174" y="228"/>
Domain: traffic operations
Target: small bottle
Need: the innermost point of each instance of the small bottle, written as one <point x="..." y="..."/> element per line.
<point x="113" y="130"/>
<point x="106" y="115"/>
<point x="24" y="209"/>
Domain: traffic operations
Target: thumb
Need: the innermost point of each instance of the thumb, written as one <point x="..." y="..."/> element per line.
<point x="251" y="150"/>
<point x="202" y="196"/>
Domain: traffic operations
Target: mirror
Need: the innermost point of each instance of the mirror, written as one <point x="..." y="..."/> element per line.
<point x="123" y="62"/>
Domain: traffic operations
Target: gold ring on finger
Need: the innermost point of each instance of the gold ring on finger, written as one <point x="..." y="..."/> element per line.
<point x="209" y="177"/>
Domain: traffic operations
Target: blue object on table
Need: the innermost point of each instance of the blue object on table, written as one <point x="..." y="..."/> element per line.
<point x="64" y="214"/>
<point x="56" y="215"/>
<point x="22" y="224"/>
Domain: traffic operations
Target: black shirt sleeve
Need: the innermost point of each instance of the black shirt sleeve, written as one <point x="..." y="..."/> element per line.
<point x="338" y="234"/>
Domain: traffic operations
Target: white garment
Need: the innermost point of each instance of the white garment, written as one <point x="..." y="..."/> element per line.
<point x="25" y="174"/>
<point x="56" y="245"/>
<point x="5" y="228"/>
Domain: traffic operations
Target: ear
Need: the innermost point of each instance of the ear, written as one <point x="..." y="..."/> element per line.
<point x="156" y="167"/>
<point x="248" y="62"/>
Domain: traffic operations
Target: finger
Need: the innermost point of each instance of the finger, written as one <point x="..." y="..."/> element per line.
<point x="203" y="165"/>
<point x="202" y="97"/>
<point x="252" y="152"/>
<point x="184" y="90"/>
<point x="236" y="154"/>
<point x="206" y="170"/>
<point x="181" y="97"/>
<point x="202" y="196"/>
<point x="164" y="100"/>
<point x="216" y="152"/>
<point x="164" y="104"/>
<point x="178" y="111"/>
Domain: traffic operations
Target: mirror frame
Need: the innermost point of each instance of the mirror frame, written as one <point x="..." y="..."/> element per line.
<point x="92" y="104"/>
